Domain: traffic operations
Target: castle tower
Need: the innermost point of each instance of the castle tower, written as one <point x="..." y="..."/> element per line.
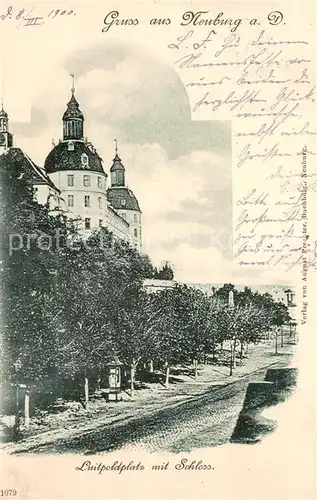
<point x="6" y="139"/>
<point x="73" y="119"/>
<point x="117" y="170"/>
<point x="76" y="169"/>
<point x="124" y="200"/>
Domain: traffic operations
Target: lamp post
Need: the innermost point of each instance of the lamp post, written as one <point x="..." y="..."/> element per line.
<point x="16" y="428"/>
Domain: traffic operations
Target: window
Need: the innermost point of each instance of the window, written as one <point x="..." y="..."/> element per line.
<point x="99" y="182"/>
<point x="70" y="146"/>
<point x="87" y="223"/>
<point x="135" y="218"/>
<point x="86" y="180"/>
<point x="290" y="298"/>
<point x="84" y="160"/>
<point x="100" y="202"/>
<point x="70" y="200"/>
<point x="119" y="178"/>
<point x="135" y="233"/>
<point x="70" y="180"/>
<point x="124" y="215"/>
<point x="123" y="202"/>
<point x="87" y="201"/>
<point x="100" y="222"/>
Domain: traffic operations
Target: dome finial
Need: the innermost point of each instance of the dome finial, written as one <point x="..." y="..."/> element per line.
<point x="73" y="83"/>
<point x="3" y="116"/>
<point x="116" y="143"/>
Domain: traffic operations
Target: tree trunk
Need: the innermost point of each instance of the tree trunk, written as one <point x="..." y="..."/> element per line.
<point x="276" y="338"/>
<point x="231" y="360"/>
<point x="86" y="389"/>
<point x="234" y="353"/>
<point x="27" y="408"/>
<point x="241" y="350"/>
<point x="16" y="427"/>
<point x="151" y="366"/>
<point x="195" y="367"/>
<point x="247" y="349"/>
<point x="232" y="357"/>
<point x="167" y="377"/>
<point x="214" y="351"/>
<point x="282" y="337"/>
<point x="132" y="375"/>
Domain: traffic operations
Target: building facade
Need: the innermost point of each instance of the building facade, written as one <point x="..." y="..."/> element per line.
<point x="73" y="180"/>
<point x="152" y="285"/>
<point x="123" y="200"/>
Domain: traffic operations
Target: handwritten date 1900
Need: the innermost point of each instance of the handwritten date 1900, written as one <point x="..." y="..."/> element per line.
<point x="28" y="15"/>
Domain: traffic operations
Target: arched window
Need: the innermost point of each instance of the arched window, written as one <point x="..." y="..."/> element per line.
<point x="84" y="160"/>
<point x="71" y="146"/>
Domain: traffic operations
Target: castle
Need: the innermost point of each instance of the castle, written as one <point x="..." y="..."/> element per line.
<point x="73" y="180"/>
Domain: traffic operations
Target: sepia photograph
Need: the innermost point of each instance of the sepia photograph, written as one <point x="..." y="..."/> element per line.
<point x="122" y="325"/>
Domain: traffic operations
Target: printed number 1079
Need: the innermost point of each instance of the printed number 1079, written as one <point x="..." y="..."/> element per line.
<point x="8" y="493"/>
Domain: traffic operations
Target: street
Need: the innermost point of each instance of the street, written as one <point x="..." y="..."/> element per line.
<point x="205" y="421"/>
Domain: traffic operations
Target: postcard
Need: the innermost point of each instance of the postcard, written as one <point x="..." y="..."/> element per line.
<point x="159" y="250"/>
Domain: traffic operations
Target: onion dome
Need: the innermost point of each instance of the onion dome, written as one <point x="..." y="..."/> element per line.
<point x="117" y="170"/>
<point x="73" y="119"/>
<point x="3" y="114"/>
<point x="4" y="119"/>
<point x="119" y="195"/>
<point x="72" y="110"/>
<point x="122" y="198"/>
<point x="73" y="155"/>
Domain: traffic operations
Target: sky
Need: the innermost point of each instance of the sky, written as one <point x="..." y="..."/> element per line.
<point x="179" y="169"/>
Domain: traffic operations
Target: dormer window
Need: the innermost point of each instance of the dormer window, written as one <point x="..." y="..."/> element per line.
<point x="84" y="160"/>
<point x="71" y="146"/>
<point x="123" y="202"/>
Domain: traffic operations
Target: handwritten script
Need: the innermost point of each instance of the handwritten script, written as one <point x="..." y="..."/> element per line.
<point x="262" y="81"/>
<point x="32" y="16"/>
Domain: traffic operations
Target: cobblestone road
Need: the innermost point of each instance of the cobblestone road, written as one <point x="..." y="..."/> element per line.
<point x="205" y="421"/>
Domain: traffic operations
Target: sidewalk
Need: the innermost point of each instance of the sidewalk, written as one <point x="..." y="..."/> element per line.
<point x="145" y="401"/>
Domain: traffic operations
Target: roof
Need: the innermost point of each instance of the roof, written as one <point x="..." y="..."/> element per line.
<point x="122" y="198"/>
<point x="33" y="173"/>
<point x="3" y="114"/>
<point x="111" y="209"/>
<point x="156" y="285"/>
<point x="73" y="110"/>
<point x="62" y="158"/>
<point x="117" y="164"/>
